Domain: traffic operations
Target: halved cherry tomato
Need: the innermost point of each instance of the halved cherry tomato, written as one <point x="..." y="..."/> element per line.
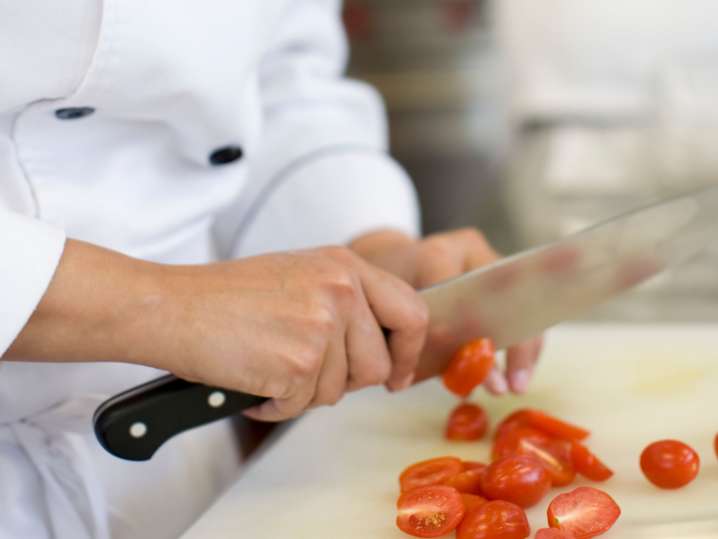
<point x="472" y="501"/>
<point x="472" y="465"/>
<point x="468" y="481"/>
<point x="519" y="479"/>
<point x="584" y="512"/>
<point x="554" y="454"/>
<point x="510" y="422"/>
<point x="670" y="464"/>
<point x="429" y="511"/>
<point x="588" y="464"/>
<point x="467" y="422"/>
<point x="548" y="424"/>
<point x="553" y="533"/>
<point x="494" y="520"/>
<point x="429" y="472"/>
<point x="469" y="367"/>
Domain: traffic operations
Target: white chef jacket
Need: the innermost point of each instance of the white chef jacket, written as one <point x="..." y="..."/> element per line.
<point x="178" y="132"/>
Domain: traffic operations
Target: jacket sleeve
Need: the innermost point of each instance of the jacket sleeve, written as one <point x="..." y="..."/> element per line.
<point x="30" y="251"/>
<point x="321" y="174"/>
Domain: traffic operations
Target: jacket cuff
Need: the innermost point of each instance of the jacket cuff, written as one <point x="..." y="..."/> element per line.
<point x="329" y="198"/>
<point x="31" y="252"/>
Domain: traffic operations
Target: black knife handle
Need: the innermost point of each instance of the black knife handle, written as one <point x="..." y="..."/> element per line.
<point x="134" y="424"/>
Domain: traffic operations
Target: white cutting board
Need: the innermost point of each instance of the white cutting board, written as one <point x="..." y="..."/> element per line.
<point x="334" y="474"/>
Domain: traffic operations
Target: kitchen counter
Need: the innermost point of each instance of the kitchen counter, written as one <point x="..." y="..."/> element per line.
<point x="334" y="473"/>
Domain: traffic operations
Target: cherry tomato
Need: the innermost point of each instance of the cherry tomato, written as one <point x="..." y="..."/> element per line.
<point x="549" y="425"/>
<point x="472" y="501"/>
<point x="429" y="472"/>
<point x="472" y="465"/>
<point x="467" y="422"/>
<point x="468" y="481"/>
<point x="429" y="511"/>
<point x="554" y="454"/>
<point x="469" y="367"/>
<point x="553" y="533"/>
<point x="519" y="479"/>
<point x="584" y="512"/>
<point x="670" y="464"/>
<point x="494" y="520"/>
<point x="555" y="427"/>
<point x="588" y="464"/>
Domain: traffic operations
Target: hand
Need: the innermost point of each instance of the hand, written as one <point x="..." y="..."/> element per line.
<point x="439" y="257"/>
<point x="302" y="328"/>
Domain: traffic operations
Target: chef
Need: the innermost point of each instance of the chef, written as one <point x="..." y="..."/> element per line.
<point x="192" y="187"/>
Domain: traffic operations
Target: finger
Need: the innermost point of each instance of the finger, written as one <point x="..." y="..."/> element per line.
<point x="476" y="249"/>
<point x="520" y="361"/>
<point x="367" y="350"/>
<point x="281" y="408"/>
<point x="438" y="261"/>
<point x="332" y="380"/>
<point x="398" y="308"/>
<point x="496" y="383"/>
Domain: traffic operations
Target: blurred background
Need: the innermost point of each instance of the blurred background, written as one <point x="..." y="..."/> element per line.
<point x="531" y="120"/>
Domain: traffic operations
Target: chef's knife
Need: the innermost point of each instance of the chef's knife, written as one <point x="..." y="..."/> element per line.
<point x="508" y="301"/>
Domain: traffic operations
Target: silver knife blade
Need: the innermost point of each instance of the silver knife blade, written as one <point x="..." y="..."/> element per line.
<point x="520" y="296"/>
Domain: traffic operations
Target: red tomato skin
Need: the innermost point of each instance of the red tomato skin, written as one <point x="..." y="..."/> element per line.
<point x="547" y="424"/>
<point x="670" y="464"/>
<point x="519" y="479"/>
<point x="467" y="422"/>
<point x="554" y="426"/>
<point x="494" y="520"/>
<point x="472" y="501"/>
<point x="554" y="454"/>
<point x="429" y="472"/>
<point x="589" y="465"/>
<point x="584" y="512"/>
<point x="469" y="367"/>
<point x="472" y="465"/>
<point x="446" y="516"/>
<point x="467" y="481"/>
<point x="553" y="533"/>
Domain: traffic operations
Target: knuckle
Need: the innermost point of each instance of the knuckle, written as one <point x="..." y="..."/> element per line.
<point x="322" y="320"/>
<point x="305" y="362"/>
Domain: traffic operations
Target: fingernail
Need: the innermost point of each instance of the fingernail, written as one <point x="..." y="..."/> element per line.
<point x="405" y="383"/>
<point x="520" y="380"/>
<point x="498" y="383"/>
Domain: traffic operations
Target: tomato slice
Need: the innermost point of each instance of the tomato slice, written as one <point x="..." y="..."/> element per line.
<point x="429" y="511"/>
<point x="548" y="424"/>
<point x="555" y="427"/>
<point x="519" y="479"/>
<point x="494" y="520"/>
<point x="588" y="464"/>
<point x="472" y="465"/>
<point x="468" y="481"/>
<point x="670" y="464"/>
<point x="472" y="501"/>
<point x="429" y="472"/>
<point x="467" y="422"/>
<point x="554" y="454"/>
<point x="469" y="367"/>
<point x="715" y="445"/>
<point x="584" y="512"/>
<point x="553" y="533"/>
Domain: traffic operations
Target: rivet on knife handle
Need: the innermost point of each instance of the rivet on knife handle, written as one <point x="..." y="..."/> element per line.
<point x="134" y="424"/>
